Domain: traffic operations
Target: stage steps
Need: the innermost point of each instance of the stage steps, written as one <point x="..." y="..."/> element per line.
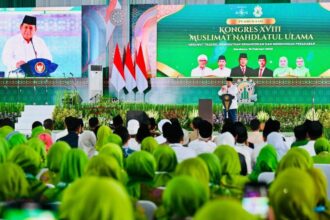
<point x="31" y="114"/>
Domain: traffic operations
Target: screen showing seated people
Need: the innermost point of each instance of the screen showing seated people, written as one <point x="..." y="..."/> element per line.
<point x="252" y="40"/>
<point x="40" y="42"/>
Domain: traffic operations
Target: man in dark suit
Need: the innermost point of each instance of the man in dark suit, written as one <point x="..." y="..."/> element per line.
<point x="72" y="125"/>
<point x="242" y="69"/>
<point x="262" y="71"/>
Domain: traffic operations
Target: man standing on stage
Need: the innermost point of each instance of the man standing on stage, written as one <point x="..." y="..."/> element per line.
<point x="222" y="70"/>
<point x="242" y="70"/>
<point x="231" y="89"/>
<point x="202" y="70"/>
<point x="24" y="47"/>
<point x="263" y="71"/>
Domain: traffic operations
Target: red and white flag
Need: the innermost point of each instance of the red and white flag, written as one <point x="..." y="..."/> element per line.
<point x="140" y="71"/>
<point x="129" y="70"/>
<point x="117" y="75"/>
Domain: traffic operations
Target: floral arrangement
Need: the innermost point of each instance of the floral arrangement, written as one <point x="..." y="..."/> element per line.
<point x="153" y="114"/>
<point x="60" y="113"/>
<point x="313" y="115"/>
<point x="262" y="116"/>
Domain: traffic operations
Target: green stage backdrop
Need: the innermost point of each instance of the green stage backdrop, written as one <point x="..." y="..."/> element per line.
<point x="290" y="30"/>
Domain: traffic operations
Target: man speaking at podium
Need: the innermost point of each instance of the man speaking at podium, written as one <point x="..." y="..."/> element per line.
<point x="231" y="89"/>
<point x="24" y="47"/>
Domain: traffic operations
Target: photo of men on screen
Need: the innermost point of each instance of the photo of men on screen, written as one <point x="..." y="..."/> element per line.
<point x="242" y="69"/>
<point x="263" y="71"/>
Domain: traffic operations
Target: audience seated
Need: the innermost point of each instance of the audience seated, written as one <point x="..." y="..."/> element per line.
<point x="133" y="127"/>
<point x="204" y="143"/>
<point x="161" y="139"/>
<point x="255" y="137"/>
<point x="72" y="125"/>
<point x="322" y="150"/>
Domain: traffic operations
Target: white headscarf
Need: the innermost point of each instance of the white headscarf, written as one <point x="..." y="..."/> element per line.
<point x="277" y="140"/>
<point x="161" y="124"/>
<point x="86" y="142"/>
<point x="225" y="138"/>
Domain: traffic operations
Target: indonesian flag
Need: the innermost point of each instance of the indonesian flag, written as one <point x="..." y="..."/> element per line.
<point x="117" y="75"/>
<point x="129" y="70"/>
<point x="141" y="72"/>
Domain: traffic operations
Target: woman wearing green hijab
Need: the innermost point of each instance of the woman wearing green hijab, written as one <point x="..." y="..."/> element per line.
<point x="213" y="164"/>
<point x="115" y="151"/>
<point x="296" y="157"/>
<point x="13" y="184"/>
<point x="266" y="162"/>
<point x="36" y="131"/>
<point x="166" y="161"/>
<point x="223" y="209"/>
<point x="72" y="168"/>
<point x="40" y="148"/>
<point x="54" y="160"/>
<point x="196" y="168"/>
<point x="183" y="196"/>
<point x="140" y="167"/>
<point x="322" y="150"/>
<point x="4" y="150"/>
<point x="149" y="144"/>
<point x="232" y="183"/>
<point x="16" y="138"/>
<point x="104" y="166"/>
<point x="96" y="198"/>
<point x="5" y="130"/>
<point x="292" y="195"/>
<point x="116" y="139"/>
<point x="102" y="136"/>
<point x="29" y="160"/>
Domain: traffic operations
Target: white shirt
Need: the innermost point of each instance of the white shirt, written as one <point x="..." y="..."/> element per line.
<point x="182" y="152"/>
<point x="160" y="139"/>
<point x="224" y="72"/>
<point x="199" y="72"/>
<point x="309" y="147"/>
<point x="133" y="144"/>
<point x="200" y="146"/>
<point x="247" y="153"/>
<point x="16" y="49"/>
<point x="232" y="90"/>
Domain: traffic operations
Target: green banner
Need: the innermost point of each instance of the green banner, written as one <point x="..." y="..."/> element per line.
<point x="291" y="39"/>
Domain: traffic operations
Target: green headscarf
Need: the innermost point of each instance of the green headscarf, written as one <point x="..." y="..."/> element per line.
<point x="149" y="144"/>
<point x="16" y="139"/>
<point x="96" y="198"/>
<point x="56" y="154"/>
<point x="231" y="180"/>
<point x="40" y="148"/>
<point x="321" y="144"/>
<point x="322" y="158"/>
<point x="116" y="139"/>
<point x="113" y="150"/>
<point x="166" y="161"/>
<point x="292" y="195"/>
<point x="213" y="165"/>
<point x="5" y="130"/>
<point x="140" y="167"/>
<point x="36" y="131"/>
<point x="104" y="166"/>
<point x="27" y="158"/>
<point x="266" y="162"/>
<point x="102" y="136"/>
<point x="196" y="168"/>
<point x="295" y="157"/>
<point x="13" y="184"/>
<point x="4" y="150"/>
<point x="73" y="165"/>
<point x="183" y="196"/>
<point x="223" y="209"/>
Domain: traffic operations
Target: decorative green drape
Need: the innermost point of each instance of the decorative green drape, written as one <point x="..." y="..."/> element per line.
<point x="17" y="3"/>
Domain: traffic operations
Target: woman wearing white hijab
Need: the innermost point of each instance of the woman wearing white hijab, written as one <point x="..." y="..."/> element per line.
<point x="225" y="138"/>
<point x="278" y="141"/>
<point x="86" y="142"/>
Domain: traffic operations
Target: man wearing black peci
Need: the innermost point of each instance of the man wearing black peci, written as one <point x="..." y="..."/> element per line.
<point x="242" y="70"/>
<point x="262" y="71"/>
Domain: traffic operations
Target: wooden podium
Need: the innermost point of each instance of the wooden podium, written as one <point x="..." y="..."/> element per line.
<point x="205" y="110"/>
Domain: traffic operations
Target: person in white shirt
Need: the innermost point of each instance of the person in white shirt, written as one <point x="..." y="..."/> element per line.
<point x="202" y="70"/>
<point x="161" y="139"/>
<point x="278" y="141"/>
<point x="204" y="143"/>
<point x="241" y="145"/>
<point x="231" y="89"/>
<point x="255" y="137"/>
<point x="174" y="136"/>
<point x="222" y="70"/>
<point x="133" y="126"/>
<point x="314" y="131"/>
<point x="24" y="47"/>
